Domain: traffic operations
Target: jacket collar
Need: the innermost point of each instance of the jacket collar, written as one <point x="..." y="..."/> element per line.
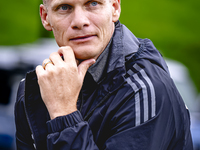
<point x="124" y="43"/>
<point x="98" y="70"/>
<point x="116" y="52"/>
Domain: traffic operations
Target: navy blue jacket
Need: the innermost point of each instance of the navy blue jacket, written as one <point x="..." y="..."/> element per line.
<point x="135" y="107"/>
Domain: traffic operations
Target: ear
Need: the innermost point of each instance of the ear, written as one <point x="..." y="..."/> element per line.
<point x="116" y="10"/>
<point x="44" y="18"/>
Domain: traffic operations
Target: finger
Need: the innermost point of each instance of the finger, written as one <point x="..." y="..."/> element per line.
<point x="68" y="54"/>
<point x="47" y="63"/>
<point x="49" y="66"/>
<point x="39" y="70"/>
<point x="56" y="58"/>
<point x="83" y="67"/>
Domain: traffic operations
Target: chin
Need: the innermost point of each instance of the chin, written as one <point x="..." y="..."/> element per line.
<point x="86" y="53"/>
<point x="84" y="57"/>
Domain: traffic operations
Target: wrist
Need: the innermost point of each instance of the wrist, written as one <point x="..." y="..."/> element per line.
<point x="56" y="114"/>
<point x="60" y="123"/>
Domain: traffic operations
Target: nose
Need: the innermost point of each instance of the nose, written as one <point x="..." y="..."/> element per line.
<point x="79" y="19"/>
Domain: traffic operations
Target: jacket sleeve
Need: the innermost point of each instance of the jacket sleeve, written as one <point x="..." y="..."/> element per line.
<point x="149" y="115"/>
<point x="24" y="140"/>
<point x="70" y="132"/>
<point x="129" y="128"/>
<point x="168" y="129"/>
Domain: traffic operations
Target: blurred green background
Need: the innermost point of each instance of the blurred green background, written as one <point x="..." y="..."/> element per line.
<point x="172" y="25"/>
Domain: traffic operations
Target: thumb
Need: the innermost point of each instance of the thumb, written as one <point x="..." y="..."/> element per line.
<point x="83" y="67"/>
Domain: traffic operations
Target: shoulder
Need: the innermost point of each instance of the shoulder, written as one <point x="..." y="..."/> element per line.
<point x="21" y="90"/>
<point x="20" y="100"/>
<point x="23" y="132"/>
<point x="149" y="80"/>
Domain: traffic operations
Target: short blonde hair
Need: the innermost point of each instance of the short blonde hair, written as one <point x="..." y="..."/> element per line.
<point x="44" y="2"/>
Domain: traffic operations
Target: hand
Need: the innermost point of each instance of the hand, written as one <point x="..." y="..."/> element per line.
<point x="61" y="81"/>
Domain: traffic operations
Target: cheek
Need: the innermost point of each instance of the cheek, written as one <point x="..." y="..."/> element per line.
<point x="57" y="26"/>
<point x="60" y="29"/>
<point x="105" y="22"/>
<point x="107" y="28"/>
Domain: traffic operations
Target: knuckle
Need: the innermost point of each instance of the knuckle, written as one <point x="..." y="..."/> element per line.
<point x="61" y="66"/>
<point x="64" y="48"/>
<point x="44" y="75"/>
<point x="52" y="55"/>
<point x="66" y="68"/>
<point x="46" y="60"/>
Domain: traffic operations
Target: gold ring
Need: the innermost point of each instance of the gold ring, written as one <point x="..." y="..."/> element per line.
<point x="45" y="64"/>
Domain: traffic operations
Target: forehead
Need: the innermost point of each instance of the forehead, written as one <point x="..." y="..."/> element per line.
<point x="49" y="1"/>
<point x="54" y="3"/>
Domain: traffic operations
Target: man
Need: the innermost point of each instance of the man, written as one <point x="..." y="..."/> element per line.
<point x="103" y="88"/>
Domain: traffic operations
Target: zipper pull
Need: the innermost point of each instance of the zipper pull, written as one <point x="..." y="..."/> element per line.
<point x="33" y="140"/>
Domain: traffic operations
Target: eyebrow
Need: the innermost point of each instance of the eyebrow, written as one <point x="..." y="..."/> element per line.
<point x="56" y="3"/>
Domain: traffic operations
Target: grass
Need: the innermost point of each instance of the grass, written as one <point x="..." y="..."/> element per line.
<point x="19" y="22"/>
<point x="173" y="26"/>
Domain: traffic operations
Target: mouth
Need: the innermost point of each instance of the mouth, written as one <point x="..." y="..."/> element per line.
<point x="82" y="38"/>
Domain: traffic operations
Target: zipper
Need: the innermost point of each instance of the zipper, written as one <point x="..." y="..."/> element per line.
<point x="32" y="135"/>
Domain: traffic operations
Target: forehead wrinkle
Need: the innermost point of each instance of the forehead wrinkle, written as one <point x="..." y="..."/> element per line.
<point x="68" y="1"/>
<point x="56" y="2"/>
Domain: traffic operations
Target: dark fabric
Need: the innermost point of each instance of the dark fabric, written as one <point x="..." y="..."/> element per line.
<point x="136" y="106"/>
<point x="98" y="70"/>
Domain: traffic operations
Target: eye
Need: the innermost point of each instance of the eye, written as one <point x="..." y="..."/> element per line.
<point x="94" y="3"/>
<point x="64" y="7"/>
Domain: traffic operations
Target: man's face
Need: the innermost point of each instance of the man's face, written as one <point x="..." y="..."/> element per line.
<point x="85" y="25"/>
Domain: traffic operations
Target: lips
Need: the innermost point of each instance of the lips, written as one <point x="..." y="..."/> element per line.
<point x="80" y="38"/>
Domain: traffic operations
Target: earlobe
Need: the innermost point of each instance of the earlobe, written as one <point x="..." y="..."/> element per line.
<point x="44" y="18"/>
<point x="116" y="10"/>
